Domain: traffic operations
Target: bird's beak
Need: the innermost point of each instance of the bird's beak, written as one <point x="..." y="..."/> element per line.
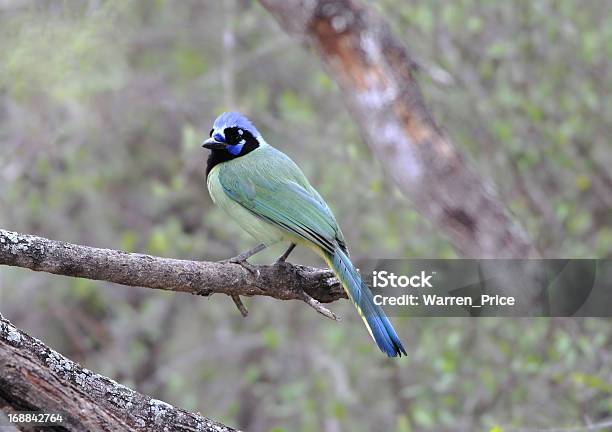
<point x="213" y="144"/>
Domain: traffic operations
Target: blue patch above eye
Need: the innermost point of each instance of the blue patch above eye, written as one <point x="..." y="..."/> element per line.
<point x="219" y="137"/>
<point x="235" y="149"/>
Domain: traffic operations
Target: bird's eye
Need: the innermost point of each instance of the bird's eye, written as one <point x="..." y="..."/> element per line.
<point x="240" y="132"/>
<point x="211" y="132"/>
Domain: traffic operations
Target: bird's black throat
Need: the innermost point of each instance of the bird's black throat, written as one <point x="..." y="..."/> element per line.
<point x="218" y="156"/>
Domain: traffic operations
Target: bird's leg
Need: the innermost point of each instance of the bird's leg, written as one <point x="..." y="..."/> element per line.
<point x="239" y="259"/>
<point x="284" y="256"/>
<point x="242" y="259"/>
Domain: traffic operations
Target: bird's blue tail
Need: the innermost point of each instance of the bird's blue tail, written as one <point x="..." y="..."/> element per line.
<point x="373" y="316"/>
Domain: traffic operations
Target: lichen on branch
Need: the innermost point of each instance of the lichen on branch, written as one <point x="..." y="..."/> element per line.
<point x="283" y="281"/>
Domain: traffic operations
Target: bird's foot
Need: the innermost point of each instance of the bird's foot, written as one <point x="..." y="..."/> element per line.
<point x="283" y="258"/>
<point x="241" y="261"/>
<point x="245" y="255"/>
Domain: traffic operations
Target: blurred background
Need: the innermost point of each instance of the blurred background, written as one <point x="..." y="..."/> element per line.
<point x="103" y="105"/>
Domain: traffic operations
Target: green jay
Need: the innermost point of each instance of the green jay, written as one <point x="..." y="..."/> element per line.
<point x="267" y="194"/>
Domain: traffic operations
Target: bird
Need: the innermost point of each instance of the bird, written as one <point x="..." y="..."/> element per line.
<point x="267" y="194"/>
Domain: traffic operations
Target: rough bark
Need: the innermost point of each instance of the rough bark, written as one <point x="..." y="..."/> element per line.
<point x="282" y="281"/>
<point x="33" y="377"/>
<point x="377" y="78"/>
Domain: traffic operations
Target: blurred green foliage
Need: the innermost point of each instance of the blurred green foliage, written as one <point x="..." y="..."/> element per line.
<point x="103" y="105"/>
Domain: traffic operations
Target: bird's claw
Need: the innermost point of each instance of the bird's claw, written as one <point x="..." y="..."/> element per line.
<point x="283" y="258"/>
<point x="280" y="262"/>
<point x="241" y="261"/>
<point x="248" y="266"/>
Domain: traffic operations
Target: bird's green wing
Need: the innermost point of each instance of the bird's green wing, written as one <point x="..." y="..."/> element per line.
<point x="273" y="188"/>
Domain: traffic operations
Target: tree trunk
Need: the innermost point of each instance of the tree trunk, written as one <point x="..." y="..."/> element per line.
<point x="33" y="377"/>
<point x="376" y="76"/>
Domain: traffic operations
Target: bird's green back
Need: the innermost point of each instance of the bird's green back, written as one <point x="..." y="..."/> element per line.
<point x="271" y="186"/>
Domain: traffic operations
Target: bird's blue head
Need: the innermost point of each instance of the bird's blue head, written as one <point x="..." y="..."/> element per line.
<point x="234" y="134"/>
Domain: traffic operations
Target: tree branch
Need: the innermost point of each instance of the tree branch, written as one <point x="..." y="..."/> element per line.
<point x="376" y="75"/>
<point x="284" y="282"/>
<point x="33" y="377"/>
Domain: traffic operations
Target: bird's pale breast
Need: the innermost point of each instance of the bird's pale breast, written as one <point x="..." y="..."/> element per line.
<point x="261" y="230"/>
